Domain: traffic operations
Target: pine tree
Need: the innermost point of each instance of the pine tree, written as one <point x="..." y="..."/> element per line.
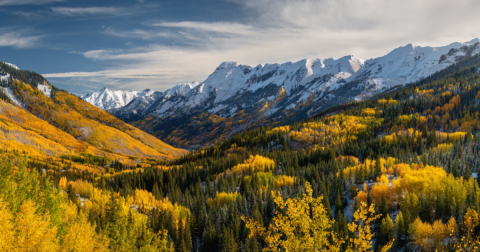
<point x="400" y="228"/>
<point x="386" y="232"/>
<point x="338" y="202"/>
<point x="378" y="167"/>
<point x="425" y="212"/>
<point x="227" y="240"/>
<point x="252" y="245"/>
<point x="383" y="209"/>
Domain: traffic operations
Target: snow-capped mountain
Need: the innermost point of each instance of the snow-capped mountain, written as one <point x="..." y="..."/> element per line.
<point x="408" y="63"/>
<point x="142" y="103"/>
<point x="109" y="99"/>
<point x="244" y="95"/>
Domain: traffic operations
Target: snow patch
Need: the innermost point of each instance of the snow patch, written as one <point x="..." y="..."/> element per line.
<point x="12" y="96"/>
<point x="12" y="65"/>
<point x="45" y="89"/>
<point x="5" y="77"/>
<point x="217" y="109"/>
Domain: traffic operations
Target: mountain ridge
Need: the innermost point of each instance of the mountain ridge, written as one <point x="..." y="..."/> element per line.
<point x="275" y="92"/>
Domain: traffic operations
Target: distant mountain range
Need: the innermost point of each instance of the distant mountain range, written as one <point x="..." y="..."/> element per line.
<point x="235" y="97"/>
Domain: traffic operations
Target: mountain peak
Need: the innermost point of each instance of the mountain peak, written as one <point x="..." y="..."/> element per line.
<point x="407" y="47"/>
<point x="473" y="41"/>
<point x="227" y="64"/>
<point x="109" y="99"/>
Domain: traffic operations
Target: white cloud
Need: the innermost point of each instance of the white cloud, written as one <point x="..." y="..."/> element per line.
<point x="220" y="27"/>
<point x="29" y="15"/>
<point x="284" y="30"/>
<point x="137" y="33"/>
<point x="25" y="2"/>
<point x="85" y="11"/>
<point x="17" y="39"/>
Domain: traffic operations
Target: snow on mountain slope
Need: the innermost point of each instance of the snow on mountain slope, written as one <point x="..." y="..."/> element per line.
<point x="142" y="103"/>
<point x="231" y="79"/>
<point x="4" y="78"/>
<point x="109" y="99"/>
<point x="277" y="90"/>
<point x="301" y="79"/>
<point x="12" y="65"/>
<point x="45" y="89"/>
<point x="179" y="89"/>
<point x="11" y="96"/>
<point x="409" y="64"/>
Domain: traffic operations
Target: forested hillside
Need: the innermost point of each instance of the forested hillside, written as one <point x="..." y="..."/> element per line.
<point x="397" y="172"/>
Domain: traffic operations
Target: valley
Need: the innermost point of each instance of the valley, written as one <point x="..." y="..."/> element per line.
<point x="392" y="156"/>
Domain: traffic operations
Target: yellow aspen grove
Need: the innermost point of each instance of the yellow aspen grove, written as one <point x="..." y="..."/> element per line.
<point x="81" y="237"/>
<point x="32" y="232"/>
<point x="6" y="228"/>
<point x="284" y="181"/>
<point x="223" y="198"/>
<point x="302" y="224"/>
<point x="63" y="183"/>
<point x="468" y="242"/>
<point x="361" y="227"/>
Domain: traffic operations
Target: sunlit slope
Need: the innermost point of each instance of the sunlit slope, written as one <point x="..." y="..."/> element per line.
<point x="105" y="118"/>
<point x="87" y="123"/>
<point x="23" y="132"/>
<point x="19" y="131"/>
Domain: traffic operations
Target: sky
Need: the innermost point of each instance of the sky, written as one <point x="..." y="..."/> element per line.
<point x="82" y="46"/>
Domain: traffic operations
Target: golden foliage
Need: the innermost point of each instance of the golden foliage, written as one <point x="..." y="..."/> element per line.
<point x="146" y="201"/>
<point x="443" y="136"/>
<point x="83" y="188"/>
<point x="345" y="159"/>
<point x="336" y="131"/>
<point x="301" y="225"/>
<point x="223" y="198"/>
<point x="468" y="242"/>
<point x="385" y="164"/>
<point x="85" y="122"/>
<point x="33" y="232"/>
<point x="256" y="162"/>
<point x="368" y="112"/>
<point x="361" y="227"/>
<point x="6" y="228"/>
<point x="63" y="183"/>
<point x="81" y="236"/>
<point x="384" y="102"/>
<point x="380" y="189"/>
<point x="444" y="147"/>
<point x="284" y="181"/>
<point x="428" y="235"/>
